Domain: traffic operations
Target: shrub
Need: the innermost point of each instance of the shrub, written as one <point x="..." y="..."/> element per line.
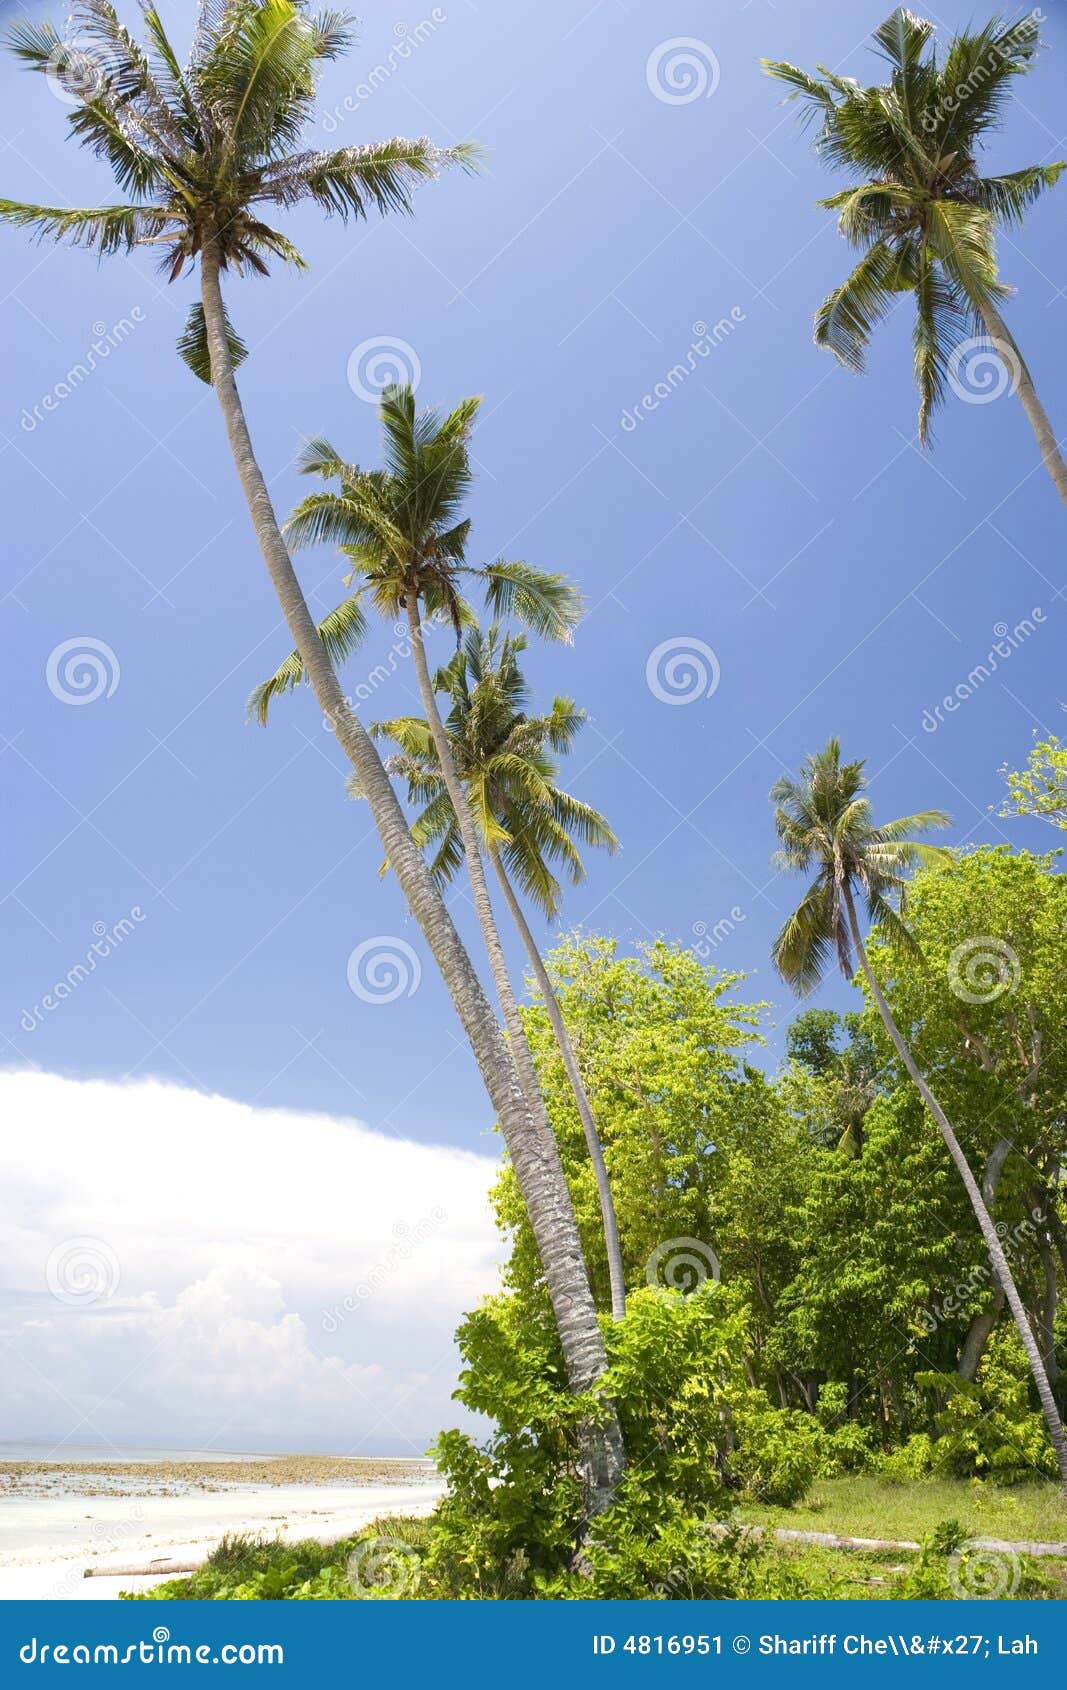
<point x="697" y="1435"/>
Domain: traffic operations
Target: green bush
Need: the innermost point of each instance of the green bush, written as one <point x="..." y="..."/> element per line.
<point x="698" y="1436"/>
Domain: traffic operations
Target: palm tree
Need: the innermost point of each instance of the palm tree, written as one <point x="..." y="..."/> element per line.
<point x="824" y="823"/>
<point x="526" y="822"/>
<point x="921" y="214"/>
<point x="401" y="529"/>
<point x="200" y="151"/>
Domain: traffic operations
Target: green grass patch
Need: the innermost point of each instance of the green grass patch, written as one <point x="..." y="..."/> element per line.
<point x="869" y="1506"/>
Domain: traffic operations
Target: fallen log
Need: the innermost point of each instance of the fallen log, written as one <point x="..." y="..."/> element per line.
<point x="833" y="1540"/>
<point x="165" y="1569"/>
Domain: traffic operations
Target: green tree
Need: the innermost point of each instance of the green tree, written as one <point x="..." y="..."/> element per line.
<point x="1039" y="789"/>
<point x="507" y="762"/>
<point x="986" y="1010"/>
<point x="824" y="823"/>
<point x="922" y="215"/>
<point x="201" y="153"/>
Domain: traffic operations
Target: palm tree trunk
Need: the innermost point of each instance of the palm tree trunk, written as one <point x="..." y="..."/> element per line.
<point x="539" y="1175"/>
<point x="616" y="1276"/>
<point x="997" y="1257"/>
<point x="1003" y="339"/>
<point x="983" y="1325"/>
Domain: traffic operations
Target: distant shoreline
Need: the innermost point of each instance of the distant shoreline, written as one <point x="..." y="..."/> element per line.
<point x="47" y="1478"/>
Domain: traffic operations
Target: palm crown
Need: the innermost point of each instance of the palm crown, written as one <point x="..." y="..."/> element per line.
<point x="504" y="758"/>
<point x="401" y="529"/>
<point x="922" y="214"/>
<point x="203" y="151"/>
<point x="824" y="822"/>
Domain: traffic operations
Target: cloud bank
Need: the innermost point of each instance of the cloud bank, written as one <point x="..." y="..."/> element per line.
<point x="189" y="1271"/>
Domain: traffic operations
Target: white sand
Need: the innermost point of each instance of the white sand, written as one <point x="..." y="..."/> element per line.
<point x="46" y="1543"/>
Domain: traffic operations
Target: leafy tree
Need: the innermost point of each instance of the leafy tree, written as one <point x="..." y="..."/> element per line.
<point x="812" y="1040"/>
<point x="851" y="1071"/>
<point x="986" y="1011"/>
<point x="1039" y="789"/>
<point x="824" y="823"/>
<point x="200" y="151"/>
<point x="506" y="761"/>
<point x="920" y="212"/>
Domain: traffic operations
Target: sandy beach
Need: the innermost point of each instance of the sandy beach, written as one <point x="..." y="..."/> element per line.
<point x="60" y="1520"/>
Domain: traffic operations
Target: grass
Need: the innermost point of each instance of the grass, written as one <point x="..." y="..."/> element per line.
<point x="867" y="1506"/>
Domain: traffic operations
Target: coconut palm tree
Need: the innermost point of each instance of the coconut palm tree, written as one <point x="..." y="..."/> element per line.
<point x="201" y="152"/>
<point x="920" y="213"/>
<point x="402" y="531"/>
<point x="506" y="760"/>
<point x="824" y="823"/>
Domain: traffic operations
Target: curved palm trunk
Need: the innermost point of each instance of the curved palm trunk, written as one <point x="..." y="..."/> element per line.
<point x="989" y="1232"/>
<point x="539" y="1175"/>
<point x="520" y="1049"/>
<point x="1002" y="337"/>
<point x="570" y="1062"/>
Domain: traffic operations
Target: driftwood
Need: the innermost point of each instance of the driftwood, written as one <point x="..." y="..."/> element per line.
<point x="165" y="1569"/>
<point x="831" y="1540"/>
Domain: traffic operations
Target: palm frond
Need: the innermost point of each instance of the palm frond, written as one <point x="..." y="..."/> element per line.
<point x="193" y="343"/>
<point x="340" y="632"/>
<point x="548" y="603"/>
<point x="103" y="228"/>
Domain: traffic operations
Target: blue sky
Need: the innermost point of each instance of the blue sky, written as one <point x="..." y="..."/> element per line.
<point x="771" y="508"/>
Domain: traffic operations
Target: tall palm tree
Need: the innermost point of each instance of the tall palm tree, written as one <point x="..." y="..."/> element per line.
<point x="506" y="760"/>
<point x="921" y="214"/>
<point x="824" y="823"/>
<point x="199" y="151"/>
<point x="401" y="530"/>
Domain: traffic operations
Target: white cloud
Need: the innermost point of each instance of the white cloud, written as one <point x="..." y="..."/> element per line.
<point x="182" y="1269"/>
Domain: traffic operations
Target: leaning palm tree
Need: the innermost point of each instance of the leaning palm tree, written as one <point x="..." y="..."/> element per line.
<point x="920" y="212"/>
<point x="824" y="823"/>
<point x="401" y="530"/>
<point x="506" y="761"/>
<point x="201" y="153"/>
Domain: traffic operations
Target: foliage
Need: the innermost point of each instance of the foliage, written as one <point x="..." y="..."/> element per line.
<point x="1039" y="789"/>
<point x="987" y="1429"/>
<point x="697" y="1436"/>
<point x="507" y="760"/>
<point x="824" y="824"/>
<point x="401" y="531"/>
<point x="204" y="151"/>
<point x="919" y="210"/>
